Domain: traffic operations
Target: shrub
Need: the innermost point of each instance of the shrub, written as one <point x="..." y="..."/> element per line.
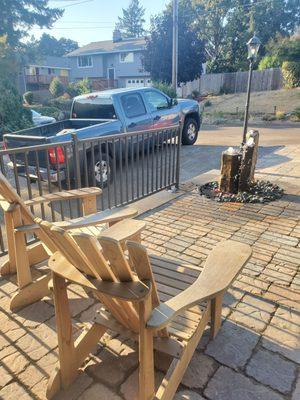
<point x="291" y="74"/>
<point x="165" y="88"/>
<point x="295" y="115"/>
<point x="195" y="95"/>
<point x="28" y="97"/>
<point x="13" y="116"/>
<point x="268" y="117"/>
<point x="79" y="87"/>
<point x="61" y="103"/>
<point x="280" y="115"/>
<point x="49" y="111"/>
<point x="207" y="103"/>
<point x="269" y="62"/>
<point x="56" y="87"/>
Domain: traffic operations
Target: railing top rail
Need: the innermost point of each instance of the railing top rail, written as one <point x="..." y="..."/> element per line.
<point x="46" y="146"/>
<point x="122" y="135"/>
<point x="38" y="147"/>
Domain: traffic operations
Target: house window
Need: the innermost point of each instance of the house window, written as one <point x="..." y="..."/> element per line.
<point x="126" y="57"/>
<point x="84" y="62"/>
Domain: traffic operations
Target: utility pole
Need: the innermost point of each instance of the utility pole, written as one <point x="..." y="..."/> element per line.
<point x="175" y="45"/>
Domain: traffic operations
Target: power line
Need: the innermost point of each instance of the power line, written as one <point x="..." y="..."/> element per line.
<point x="75" y="4"/>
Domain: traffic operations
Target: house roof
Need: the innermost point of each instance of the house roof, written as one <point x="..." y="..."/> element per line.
<point x="109" y="46"/>
<point x="51" y="62"/>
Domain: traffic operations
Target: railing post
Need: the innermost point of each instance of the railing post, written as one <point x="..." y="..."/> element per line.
<point x="76" y="161"/>
<point x="177" y="177"/>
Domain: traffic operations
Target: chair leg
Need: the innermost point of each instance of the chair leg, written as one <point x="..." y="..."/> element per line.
<point x="67" y="360"/>
<point x="71" y="354"/>
<point x="146" y="358"/>
<point x="9" y="266"/>
<point x="175" y="373"/>
<point x="31" y="293"/>
<point x="216" y="315"/>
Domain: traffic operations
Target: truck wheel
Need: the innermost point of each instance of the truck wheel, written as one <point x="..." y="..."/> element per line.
<point x="190" y="131"/>
<point x="100" y="166"/>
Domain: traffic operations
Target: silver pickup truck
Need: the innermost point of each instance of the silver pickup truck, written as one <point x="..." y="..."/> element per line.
<point x="112" y="112"/>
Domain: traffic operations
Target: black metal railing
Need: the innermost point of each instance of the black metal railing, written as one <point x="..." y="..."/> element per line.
<point x="128" y="167"/>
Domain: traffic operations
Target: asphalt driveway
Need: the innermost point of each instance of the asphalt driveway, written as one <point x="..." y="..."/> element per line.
<point x="276" y="141"/>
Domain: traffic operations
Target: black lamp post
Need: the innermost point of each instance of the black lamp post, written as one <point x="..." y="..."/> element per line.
<point x="253" y="47"/>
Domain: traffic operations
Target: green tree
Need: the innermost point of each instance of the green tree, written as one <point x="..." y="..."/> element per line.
<point x="18" y="16"/>
<point x="132" y="22"/>
<point x="13" y="116"/>
<point x="158" y="55"/>
<point x="281" y="49"/>
<point x="226" y="26"/>
<point x="8" y="61"/>
<point x="50" y="46"/>
<point x="56" y="87"/>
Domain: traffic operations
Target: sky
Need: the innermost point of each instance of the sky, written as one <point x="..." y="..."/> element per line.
<point x="93" y="20"/>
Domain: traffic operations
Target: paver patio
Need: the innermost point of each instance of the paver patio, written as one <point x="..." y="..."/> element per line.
<point x="255" y="356"/>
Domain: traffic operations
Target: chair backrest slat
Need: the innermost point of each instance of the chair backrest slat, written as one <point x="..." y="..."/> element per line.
<point x="90" y="259"/>
<point x="114" y="253"/>
<point x="140" y="262"/>
<point x="9" y="194"/>
<point x="89" y="245"/>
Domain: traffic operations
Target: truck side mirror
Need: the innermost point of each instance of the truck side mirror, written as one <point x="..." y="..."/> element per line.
<point x="173" y="102"/>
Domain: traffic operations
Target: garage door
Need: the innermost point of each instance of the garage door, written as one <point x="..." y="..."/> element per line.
<point x="138" y="82"/>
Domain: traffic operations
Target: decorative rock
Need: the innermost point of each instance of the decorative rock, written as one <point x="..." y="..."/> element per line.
<point x="259" y="192"/>
<point x="229" y="385"/>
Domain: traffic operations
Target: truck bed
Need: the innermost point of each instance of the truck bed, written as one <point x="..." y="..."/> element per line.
<point x="41" y="134"/>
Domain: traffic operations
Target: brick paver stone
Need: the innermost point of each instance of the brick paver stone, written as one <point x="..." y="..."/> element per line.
<point x="188" y="395"/>
<point x="283" y="342"/>
<point x="296" y="392"/>
<point x="229" y="385"/>
<point x="253" y="312"/>
<point x="272" y="370"/>
<point x="130" y="387"/>
<point x="233" y="345"/>
<point x="14" y="391"/>
<point x="99" y="392"/>
<point x="199" y="371"/>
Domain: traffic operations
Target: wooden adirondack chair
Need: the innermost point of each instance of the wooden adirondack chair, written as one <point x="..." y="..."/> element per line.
<point x="19" y="221"/>
<point x="130" y="290"/>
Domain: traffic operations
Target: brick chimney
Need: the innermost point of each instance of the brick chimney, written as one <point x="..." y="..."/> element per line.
<point x="117" y="36"/>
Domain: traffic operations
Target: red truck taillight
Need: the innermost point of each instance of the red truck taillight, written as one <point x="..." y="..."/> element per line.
<point x="53" y="152"/>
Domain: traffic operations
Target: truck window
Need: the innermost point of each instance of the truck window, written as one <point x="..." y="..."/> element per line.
<point x="156" y="100"/>
<point x="133" y="105"/>
<point x="94" y="107"/>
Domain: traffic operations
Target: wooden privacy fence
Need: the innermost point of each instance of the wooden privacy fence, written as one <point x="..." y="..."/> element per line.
<point x="233" y="82"/>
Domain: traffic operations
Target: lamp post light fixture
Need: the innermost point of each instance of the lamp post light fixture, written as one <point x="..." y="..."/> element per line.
<point x="253" y="47"/>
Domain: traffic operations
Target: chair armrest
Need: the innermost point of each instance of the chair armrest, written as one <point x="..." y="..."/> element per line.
<point x="26" y="229"/>
<point x="128" y="291"/>
<point x="103" y="217"/>
<point x="65" y="195"/>
<point x="123" y="230"/>
<point x="222" y="266"/>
